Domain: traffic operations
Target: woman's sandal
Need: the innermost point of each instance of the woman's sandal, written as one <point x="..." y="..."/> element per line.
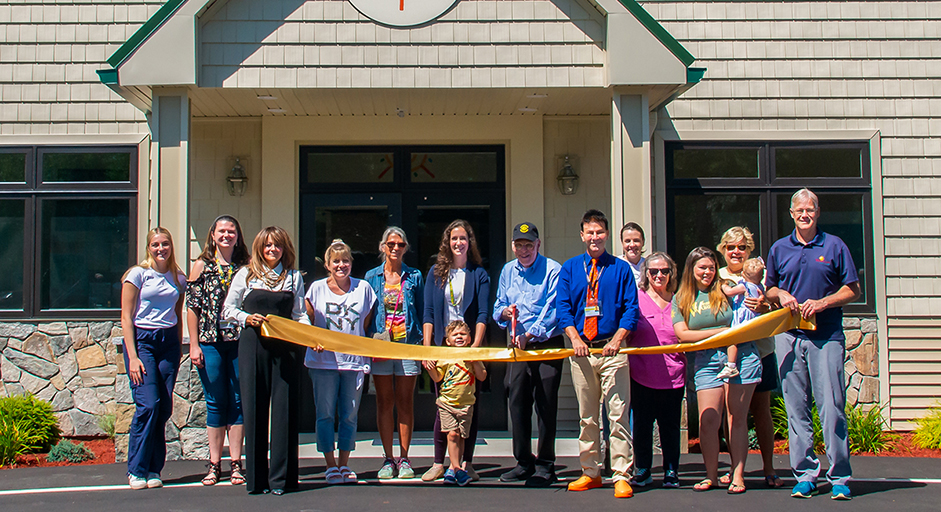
<point x="212" y="477"/>
<point x="349" y="476"/>
<point x="705" y="485"/>
<point x="333" y="476"/>
<point x="236" y="477"/>
<point x="725" y="479"/>
<point x="774" y="481"/>
<point x="736" y="489"/>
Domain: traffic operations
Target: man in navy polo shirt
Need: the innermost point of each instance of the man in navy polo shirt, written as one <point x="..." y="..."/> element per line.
<point x="597" y="309"/>
<point x="812" y="272"/>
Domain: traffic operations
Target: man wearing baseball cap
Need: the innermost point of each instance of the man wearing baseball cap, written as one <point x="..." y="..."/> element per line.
<point x="528" y="288"/>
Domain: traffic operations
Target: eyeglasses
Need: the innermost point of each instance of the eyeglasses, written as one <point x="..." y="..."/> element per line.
<point x="661" y="271"/>
<point x="393" y="245"/>
<point x="741" y="247"/>
<point x="803" y="211"/>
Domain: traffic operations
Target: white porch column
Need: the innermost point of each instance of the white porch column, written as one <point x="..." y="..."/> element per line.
<point x="631" y="193"/>
<point x="169" y="167"/>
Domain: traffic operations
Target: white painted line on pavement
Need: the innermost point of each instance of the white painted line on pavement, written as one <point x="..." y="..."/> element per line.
<point x="89" y="488"/>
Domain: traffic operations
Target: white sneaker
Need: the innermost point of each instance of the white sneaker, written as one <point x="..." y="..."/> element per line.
<point x="137" y="482"/>
<point x="728" y="372"/>
<point x="154" y="481"/>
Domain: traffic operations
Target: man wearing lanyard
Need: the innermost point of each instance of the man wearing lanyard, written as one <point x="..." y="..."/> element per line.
<point x="527" y="291"/>
<point x="812" y="272"/>
<point x="597" y="308"/>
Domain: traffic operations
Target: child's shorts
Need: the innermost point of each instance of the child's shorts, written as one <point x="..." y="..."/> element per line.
<point x="455" y="418"/>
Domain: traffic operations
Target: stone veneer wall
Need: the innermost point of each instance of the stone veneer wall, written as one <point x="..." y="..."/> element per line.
<point x="862" y="361"/>
<point x="79" y="368"/>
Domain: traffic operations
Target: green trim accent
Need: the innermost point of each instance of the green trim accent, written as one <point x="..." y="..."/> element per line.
<point x="659" y="32"/>
<point x="108" y="76"/>
<point x="148" y="28"/>
<point x="694" y="75"/>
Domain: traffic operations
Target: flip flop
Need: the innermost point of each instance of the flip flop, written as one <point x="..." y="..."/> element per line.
<point x="705" y="485"/>
<point x="726" y="479"/>
<point x="333" y="476"/>
<point x="774" y="481"/>
<point x="736" y="489"/>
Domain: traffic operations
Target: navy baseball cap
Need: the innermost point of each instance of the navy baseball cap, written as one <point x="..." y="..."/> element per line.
<point x="526" y="231"/>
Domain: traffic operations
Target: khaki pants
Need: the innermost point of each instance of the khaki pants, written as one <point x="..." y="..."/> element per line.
<point x="596" y="377"/>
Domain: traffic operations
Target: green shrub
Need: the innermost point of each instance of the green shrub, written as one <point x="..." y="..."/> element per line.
<point x="106" y="423"/>
<point x="928" y="433"/>
<point x="16" y="439"/>
<point x="779" y="419"/>
<point x="867" y="430"/>
<point x="753" y="440"/>
<point x="68" y="451"/>
<point x="34" y="418"/>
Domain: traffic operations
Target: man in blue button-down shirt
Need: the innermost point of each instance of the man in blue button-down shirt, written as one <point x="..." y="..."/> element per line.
<point x="528" y="288"/>
<point x="597" y="308"/>
<point x="812" y="272"/>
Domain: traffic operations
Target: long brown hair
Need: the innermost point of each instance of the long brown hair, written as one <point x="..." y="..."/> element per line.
<point x="258" y="268"/>
<point x="240" y="254"/>
<point x="686" y="295"/>
<point x="148" y="261"/>
<point x="446" y="257"/>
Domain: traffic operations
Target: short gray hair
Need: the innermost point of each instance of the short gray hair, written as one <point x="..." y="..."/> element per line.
<point x="805" y="194"/>
<point x="392" y="230"/>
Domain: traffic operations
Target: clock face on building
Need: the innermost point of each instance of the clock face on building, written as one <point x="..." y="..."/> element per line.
<point x="403" y="13"/>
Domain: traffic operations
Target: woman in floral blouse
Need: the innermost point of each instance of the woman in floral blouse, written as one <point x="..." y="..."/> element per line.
<point x="216" y="353"/>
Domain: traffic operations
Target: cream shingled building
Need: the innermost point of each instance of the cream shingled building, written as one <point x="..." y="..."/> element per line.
<point x="685" y="116"/>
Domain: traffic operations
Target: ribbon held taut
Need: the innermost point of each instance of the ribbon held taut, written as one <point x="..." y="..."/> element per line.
<point x="764" y="326"/>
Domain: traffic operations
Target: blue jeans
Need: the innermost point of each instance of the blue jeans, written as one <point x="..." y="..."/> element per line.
<point x="220" y="378"/>
<point x="159" y="352"/>
<point x="336" y="395"/>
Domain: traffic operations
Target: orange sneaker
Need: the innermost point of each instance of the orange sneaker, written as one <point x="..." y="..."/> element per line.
<point x="622" y="489"/>
<point x="585" y="483"/>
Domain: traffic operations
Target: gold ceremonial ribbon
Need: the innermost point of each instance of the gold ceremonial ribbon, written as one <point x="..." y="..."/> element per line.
<point x="764" y="326"/>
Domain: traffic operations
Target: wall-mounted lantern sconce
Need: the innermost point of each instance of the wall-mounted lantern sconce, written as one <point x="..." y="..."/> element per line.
<point x="568" y="178"/>
<point x="237" y="179"/>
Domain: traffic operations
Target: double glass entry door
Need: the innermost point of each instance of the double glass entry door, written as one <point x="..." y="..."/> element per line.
<point x="359" y="212"/>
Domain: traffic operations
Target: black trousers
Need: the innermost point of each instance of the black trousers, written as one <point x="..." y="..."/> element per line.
<point x="665" y="406"/>
<point x="528" y="384"/>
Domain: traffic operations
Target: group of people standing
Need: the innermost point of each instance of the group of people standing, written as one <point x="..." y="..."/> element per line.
<point x="591" y="301"/>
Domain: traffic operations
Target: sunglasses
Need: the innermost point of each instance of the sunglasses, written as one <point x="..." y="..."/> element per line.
<point x="393" y="245"/>
<point x="661" y="271"/>
<point x="741" y="247"/>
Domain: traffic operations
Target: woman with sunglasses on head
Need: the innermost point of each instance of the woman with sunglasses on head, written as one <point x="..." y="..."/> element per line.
<point x="399" y="289"/>
<point x="151" y="305"/>
<point x="343" y="304"/>
<point x="735" y="247"/>
<point x="658" y="381"/>
<point x="457" y="287"/>
<point x="214" y="347"/>
<point x="701" y="310"/>
<point x="269" y="369"/>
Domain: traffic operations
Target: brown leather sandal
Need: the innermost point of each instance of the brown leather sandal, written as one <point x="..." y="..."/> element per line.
<point x="212" y="477"/>
<point x="236" y="478"/>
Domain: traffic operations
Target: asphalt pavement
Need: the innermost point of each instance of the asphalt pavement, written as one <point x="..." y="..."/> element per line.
<point x="880" y="484"/>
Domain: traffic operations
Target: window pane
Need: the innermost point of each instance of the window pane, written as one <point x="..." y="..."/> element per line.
<point x="12" y="213"/>
<point x="13" y="167"/>
<point x="841" y="215"/>
<point x="350" y="167"/>
<point x="715" y="163"/>
<point x="701" y="220"/>
<point x="85" y="251"/>
<point x="454" y="167"/>
<point x="818" y="162"/>
<point x="72" y="167"/>
<point x="359" y="227"/>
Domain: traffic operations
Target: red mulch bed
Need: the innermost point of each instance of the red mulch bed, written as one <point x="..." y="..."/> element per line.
<point x="102" y="448"/>
<point x="901" y="448"/>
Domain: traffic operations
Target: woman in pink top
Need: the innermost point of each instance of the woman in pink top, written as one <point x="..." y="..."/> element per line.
<point x="657" y="381"/>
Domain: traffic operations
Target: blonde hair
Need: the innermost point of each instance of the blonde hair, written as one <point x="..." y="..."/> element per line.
<point x="753" y="268"/>
<point x="454" y="326"/>
<point x="734" y="234"/>
<point x="148" y="261"/>
<point x="686" y="295"/>
<point x="257" y="268"/>
<point x="337" y="248"/>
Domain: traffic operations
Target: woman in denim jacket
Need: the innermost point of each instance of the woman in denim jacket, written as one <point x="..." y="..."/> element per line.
<point x="399" y="289"/>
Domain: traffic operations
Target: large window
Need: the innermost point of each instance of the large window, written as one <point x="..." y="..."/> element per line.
<point x="67" y="215"/>
<point x="714" y="186"/>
